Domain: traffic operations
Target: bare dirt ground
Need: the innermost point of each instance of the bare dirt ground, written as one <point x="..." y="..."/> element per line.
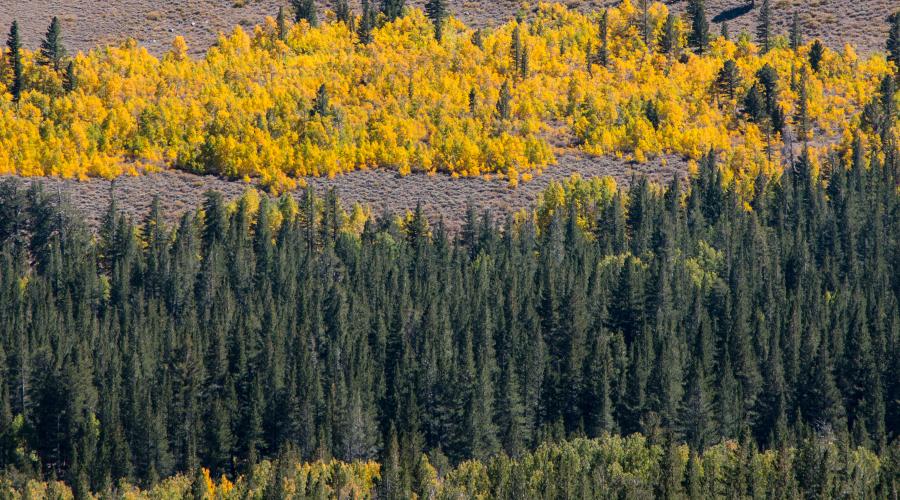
<point x="440" y="195"/>
<point x="154" y="23"/>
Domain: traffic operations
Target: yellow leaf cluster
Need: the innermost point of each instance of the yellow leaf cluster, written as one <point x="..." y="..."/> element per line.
<point x="409" y="103"/>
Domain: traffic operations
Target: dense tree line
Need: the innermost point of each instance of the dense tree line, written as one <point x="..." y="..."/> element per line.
<point x="264" y="325"/>
<point x="605" y="467"/>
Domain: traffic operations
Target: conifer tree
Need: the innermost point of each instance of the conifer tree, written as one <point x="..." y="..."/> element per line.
<point x="802" y="116"/>
<point x="392" y="9"/>
<point x="305" y="10"/>
<point x="796" y="32"/>
<point x="764" y="27"/>
<point x="698" y="38"/>
<point x="504" y="102"/>
<point x="281" y="23"/>
<point x="603" y="47"/>
<point x="52" y="50"/>
<point x="816" y="52"/>
<point x="343" y="13"/>
<point x="366" y="23"/>
<point x="437" y="12"/>
<point x="14" y="44"/>
<point x="668" y="43"/>
<point x="320" y="105"/>
<point x="728" y="79"/>
<point x="893" y="41"/>
<point x="70" y="81"/>
<point x="516" y="50"/>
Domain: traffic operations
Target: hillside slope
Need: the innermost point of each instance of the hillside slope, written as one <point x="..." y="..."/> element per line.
<point x="153" y="23"/>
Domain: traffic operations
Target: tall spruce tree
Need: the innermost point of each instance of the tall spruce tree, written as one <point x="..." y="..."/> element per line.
<point x="603" y="46"/>
<point x="668" y="43"/>
<point x="796" y="32"/>
<point x="52" y="49"/>
<point x="305" y="10"/>
<point x="392" y="9"/>
<point x="893" y="40"/>
<point x="764" y="27"/>
<point x="698" y="38"/>
<point x="437" y="12"/>
<point x="14" y="44"/>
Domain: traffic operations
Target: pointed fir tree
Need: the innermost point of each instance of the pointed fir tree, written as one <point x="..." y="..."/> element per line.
<point x="728" y="80"/>
<point x="14" y="44"/>
<point x="281" y="23"/>
<point x="698" y="38"/>
<point x="320" y="106"/>
<point x="816" y="53"/>
<point x="70" y="81"/>
<point x="437" y="12"/>
<point x="392" y="9"/>
<point x="796" y="32"/>
<point x="305" y="10"/>
<point x="764" y="27"/>
<point x="668" y="43"/>
<point x="366" y="23"/>
<point x="504" y="103"/>
<point x="52" y="50"/>
<point x="603" y="46"/>
<point x="343" y="13"/>
<point x="893" y="41"/>
<point x="802" y="116"/>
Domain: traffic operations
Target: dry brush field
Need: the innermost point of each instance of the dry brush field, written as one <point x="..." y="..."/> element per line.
<point x="440" y="196"/>
<point x="153" y="23"/>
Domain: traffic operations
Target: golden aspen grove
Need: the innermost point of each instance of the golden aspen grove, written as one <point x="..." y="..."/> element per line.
<point x="273" y="107"/>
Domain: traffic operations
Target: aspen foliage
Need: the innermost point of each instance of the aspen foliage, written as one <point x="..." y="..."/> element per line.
<point x="410" y="103"/>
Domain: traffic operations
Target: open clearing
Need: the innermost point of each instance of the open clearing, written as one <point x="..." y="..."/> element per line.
<point x="440" y="195"/>
<point x="153" y="23"/>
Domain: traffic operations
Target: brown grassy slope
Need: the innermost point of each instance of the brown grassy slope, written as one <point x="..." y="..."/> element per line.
<point x="440" y="195"/>
<point x="153" y="23"/>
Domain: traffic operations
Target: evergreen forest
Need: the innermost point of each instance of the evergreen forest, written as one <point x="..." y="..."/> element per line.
<point x="650" y="340"/>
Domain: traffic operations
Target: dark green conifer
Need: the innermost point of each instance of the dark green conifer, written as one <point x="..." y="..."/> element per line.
<point x="305" y="10"/>
<point x="698" y="38"/>
<point x="764" y="27"/>
<point x="52" y="50"/>
<point x="14" y="44"/>
<point x="437" y="12"/>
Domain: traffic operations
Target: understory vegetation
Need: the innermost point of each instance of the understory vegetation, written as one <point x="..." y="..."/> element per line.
<point x="744" y="347"/>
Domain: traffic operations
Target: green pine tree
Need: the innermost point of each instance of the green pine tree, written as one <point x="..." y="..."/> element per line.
<point x="437" y="12"/>
<point x="393" y="9"/>
<point x="668" y="43"/>
<point x="764" y="27"/>
<point x="698" y="38"/>
<point x="14" y="44"/>
<point x="52" y="50"/>
<point x="305" y="10"/>
<point x="796" y="32"/>
<point x="893" y="41"/>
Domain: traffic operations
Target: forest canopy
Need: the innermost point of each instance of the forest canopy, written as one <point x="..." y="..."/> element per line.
<point x="264" y="328"/>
